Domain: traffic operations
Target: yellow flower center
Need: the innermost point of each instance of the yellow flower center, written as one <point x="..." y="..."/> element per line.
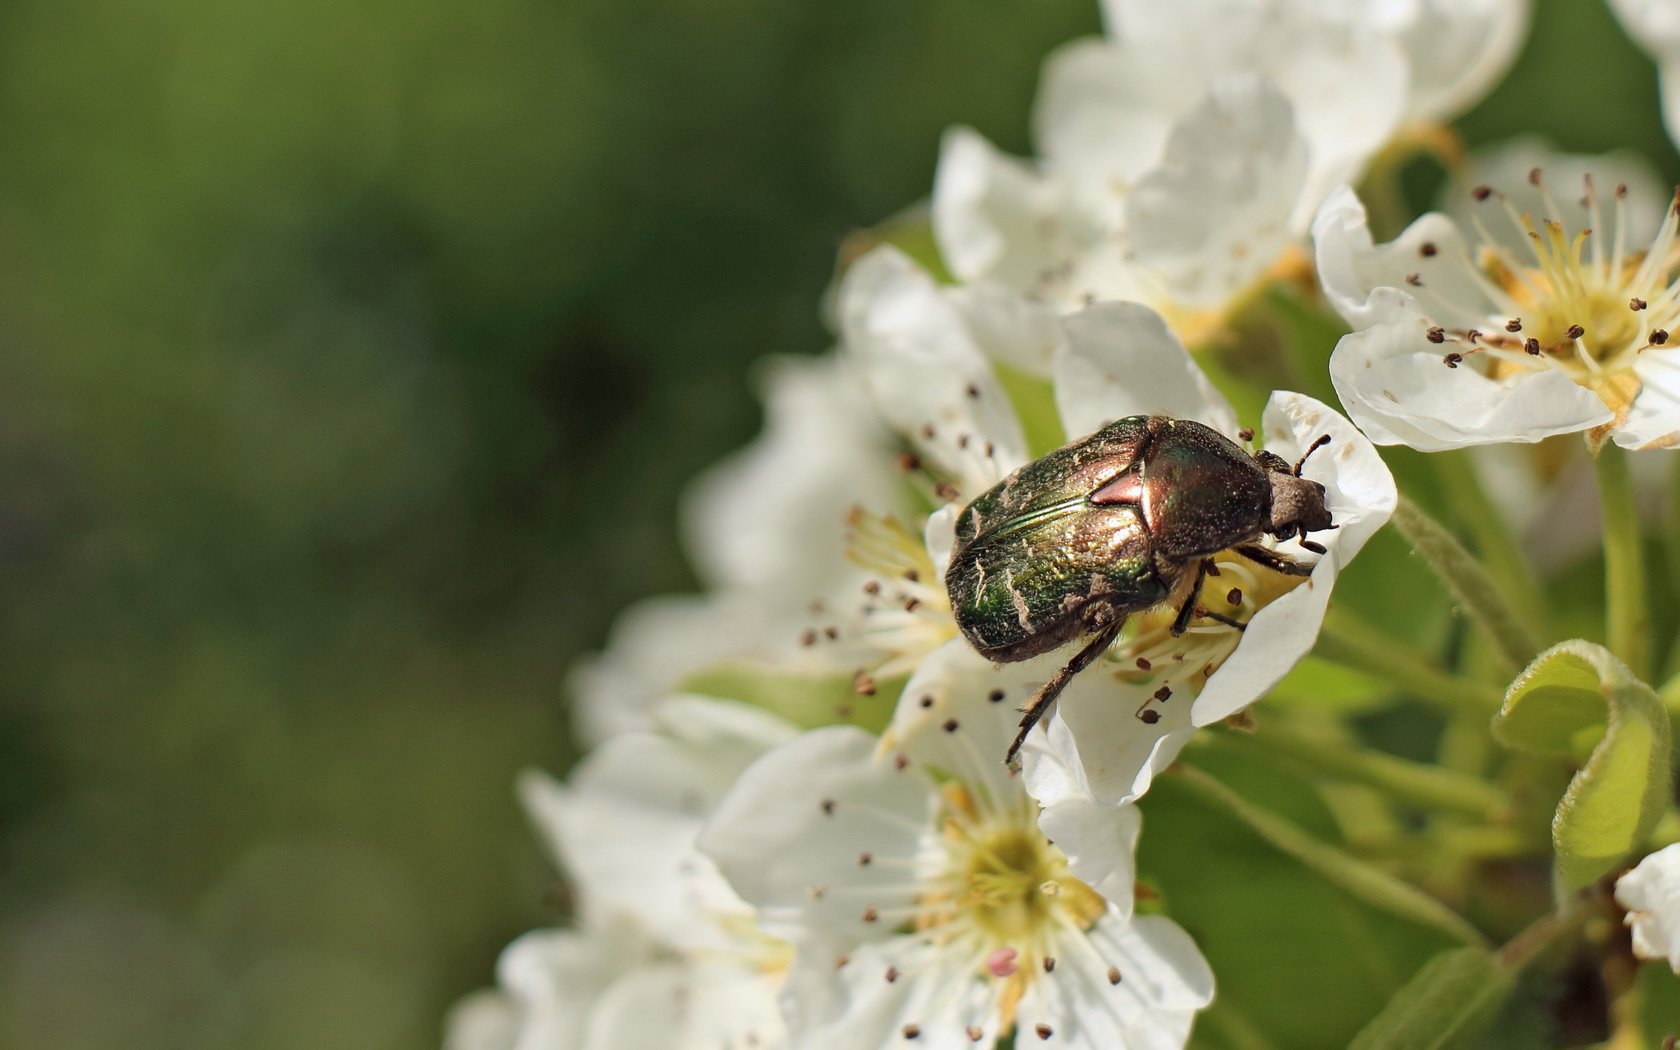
<point x="1582" y="303"/>
<point x="1148" y="651"/>
<point x="903" y="612"/>
<point x="1002" y="893"/>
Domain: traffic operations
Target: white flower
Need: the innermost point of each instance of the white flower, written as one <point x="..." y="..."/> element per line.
<point x="1190" y="233"/>
<point x="665" y="954"/>
<point x="1552" y="316"/>
<point x="1455" y="50"/>
<point x="927" y="903"/>
<point x="1183" y="155"/>
<point x="1655" y="26"/>
<point x="1651" y="895"/>
<point x="765" y="529"/>
<point x="1106" y="362"/>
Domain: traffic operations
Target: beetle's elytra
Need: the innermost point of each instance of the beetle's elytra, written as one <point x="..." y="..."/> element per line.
<point x="1115" y="523"/>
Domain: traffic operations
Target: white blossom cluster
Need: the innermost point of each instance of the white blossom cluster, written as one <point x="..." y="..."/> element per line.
<point x="743" y="881"/>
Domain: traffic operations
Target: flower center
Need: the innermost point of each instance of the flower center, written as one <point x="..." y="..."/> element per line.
<point x="1234" y="590"/>
<point x="1002" y="884"/>
<point x="1579" y="302"/>
<point x="902" y="612"/>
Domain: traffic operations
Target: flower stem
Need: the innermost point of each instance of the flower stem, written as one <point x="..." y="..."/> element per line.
<point x="1423" y="786"/>
<point x="1669" y="694"/>
<point x="1494" y="543"/>
<point x="1469" y="584"/>
<point x="1370" y="884"/>
<point x="1627" y="616"/>
<point x="1356" y="645"/>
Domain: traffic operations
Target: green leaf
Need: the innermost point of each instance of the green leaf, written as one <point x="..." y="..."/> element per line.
<point x="1366" y="882"/>
<point x="1448" y="1003"/>
<point x="1578" y="700"/>
<point x="1268" y="925"/>
<point x="807" y="700"/>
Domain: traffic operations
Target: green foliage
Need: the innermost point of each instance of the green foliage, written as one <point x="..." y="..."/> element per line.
<point x="1267" y="920"/>
<point x="1448" y="1003"/>
<point x="1579" y="702"/>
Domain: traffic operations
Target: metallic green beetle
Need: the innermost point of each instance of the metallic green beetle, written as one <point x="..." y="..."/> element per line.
<point x="1112" y="524"/>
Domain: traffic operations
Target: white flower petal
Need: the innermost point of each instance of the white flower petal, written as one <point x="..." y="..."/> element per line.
<point x="1368" y="285"/>
<point x="940" y="535"/>
<point x="1095" y="744"/>
<point x="1009" y="329"/>
<point x="771" y="517"/>
<point x="701" y="1005"/>
<point x="1393" y="383"/>
<point x="996" y="218"/>
<point x="792" y="834"/>
<point x="1345" y="78"/>
<point x="484" y="1020"/>
<point x="935" y="1000"/>
<point x="653" y="645"/>
<point x="1100" y="841"/>
<point x="1655" y="26"/>
<point x="1163" y="980"/>
<point x="1221" y="205"/>
<point x="1104" y="111"/>
<point x="625" y="822"/>
<point x="1360" y="497"/>
<point x="1651" y="895"/>
<point x="910" y="343"/>
<point x="1654" y="417"/>
<point x="1458" y="50"/>
<point x="555" y="976"/>
<point x="959" y="713"/>
<point x="1121" y="360"/>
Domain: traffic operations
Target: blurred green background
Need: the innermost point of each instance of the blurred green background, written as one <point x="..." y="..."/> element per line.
<point x="354" y="359"/>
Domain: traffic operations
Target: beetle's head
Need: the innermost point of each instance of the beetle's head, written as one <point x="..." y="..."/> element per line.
<point x="1297" y="503"/>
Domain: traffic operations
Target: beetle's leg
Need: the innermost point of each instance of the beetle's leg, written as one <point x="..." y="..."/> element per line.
<point x="1221" y="618"/>
<point x="1273" y="561"/>
<point x="1040" y="702"/>
<point x="1187" y="611"/>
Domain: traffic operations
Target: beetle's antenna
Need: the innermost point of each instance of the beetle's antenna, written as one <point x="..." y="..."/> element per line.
<point x="1323" y="439"/>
